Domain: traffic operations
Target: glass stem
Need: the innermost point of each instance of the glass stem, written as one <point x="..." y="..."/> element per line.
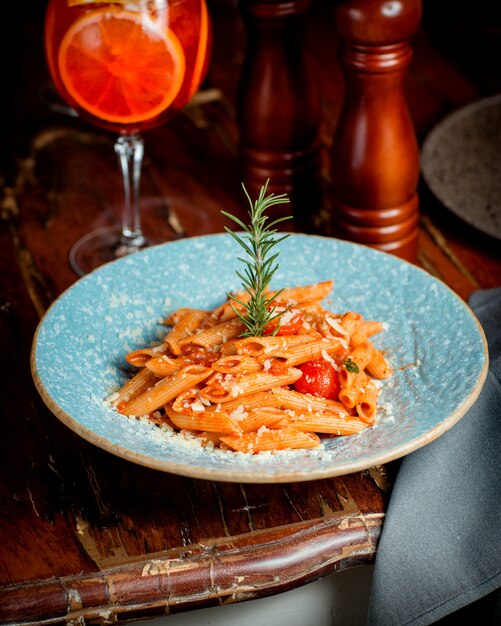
<point x="130" y="150"/>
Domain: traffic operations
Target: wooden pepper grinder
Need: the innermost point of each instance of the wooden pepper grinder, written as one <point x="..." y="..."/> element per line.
<point x="278" y="108"/>
<point x="374" y="156"/>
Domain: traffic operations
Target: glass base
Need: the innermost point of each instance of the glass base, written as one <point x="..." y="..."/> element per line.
<point x="99" y="247"/>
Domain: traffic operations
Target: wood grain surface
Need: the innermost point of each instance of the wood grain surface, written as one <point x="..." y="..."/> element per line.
<point x="85" y="536"/>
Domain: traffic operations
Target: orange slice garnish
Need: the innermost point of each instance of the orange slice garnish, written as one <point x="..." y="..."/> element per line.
<point x="202" y="52"/>
<point x="119" y="67"/>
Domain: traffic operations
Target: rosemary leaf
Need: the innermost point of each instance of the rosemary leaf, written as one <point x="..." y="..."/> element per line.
<point x="258" y="241"/>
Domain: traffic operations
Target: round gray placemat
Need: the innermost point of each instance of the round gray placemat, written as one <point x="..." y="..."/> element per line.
<point x="461" y="164"/>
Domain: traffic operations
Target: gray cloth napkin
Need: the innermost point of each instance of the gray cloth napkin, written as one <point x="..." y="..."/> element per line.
<point x="440" y="549"/>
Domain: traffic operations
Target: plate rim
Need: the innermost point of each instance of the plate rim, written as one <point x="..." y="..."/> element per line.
<point x="256" y="476"/>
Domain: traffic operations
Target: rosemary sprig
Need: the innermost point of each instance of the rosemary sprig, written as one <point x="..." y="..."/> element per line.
<point x="260" y="266"/>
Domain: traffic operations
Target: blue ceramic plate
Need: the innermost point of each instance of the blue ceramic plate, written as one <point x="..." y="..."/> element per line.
<point x="435" y="344"/>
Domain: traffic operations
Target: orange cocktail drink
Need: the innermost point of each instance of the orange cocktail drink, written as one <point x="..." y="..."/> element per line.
<point x="125" y="65"/>
<point x="129" y="64"/>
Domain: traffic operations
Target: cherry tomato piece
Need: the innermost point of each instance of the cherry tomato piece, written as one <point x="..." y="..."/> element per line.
<point x="290" y="322"/>
<point x="319" y="379"/>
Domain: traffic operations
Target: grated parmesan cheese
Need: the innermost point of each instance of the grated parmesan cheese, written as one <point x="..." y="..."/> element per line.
<point x="111" y="398"/>
<point x="343" y="343"/>
<point x="239" y="413"/>
<point x="161" y="348"/>
<point x="336" y="326"/>
<point x="197" y="406"/>
<point x="287" y="316"/>
<point x="330" y="360"/>
<point x="236" y="390"/>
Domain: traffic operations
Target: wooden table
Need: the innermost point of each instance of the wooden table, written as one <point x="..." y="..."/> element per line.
<point x="90" y="538"/>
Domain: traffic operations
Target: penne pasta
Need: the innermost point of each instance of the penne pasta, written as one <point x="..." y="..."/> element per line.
<point x="260" y="393"/>
<point x="261" y="399"/>
<point x="370" y="327"/>
<point x="163" y="366"/>
<point x="378" y="366"/>
<point x="247" y="384"/>
<point x="268" y="346"/>
<point x="350" y="374"/>
<point x="367" y="403"/>
<point x="165" y="390"/>
<point x="229" y="347"/>
<point x="326" y="423"/>
<point x="186" y="326"/>
<point x="351" y="321"/>
<point x="303" y="403"/>
<point x="362" y="354"/>
<point x="215" y="335"/>
<point x="307" y="294"/>
<point x="215" y="421"/>
<point x="265" y="439"/>
<point x="257" y="418"/>
<point x="176" y="316"/>
<point x="188" y="400"/>
<point x="139" y="358"/>
<point x="237" y="364"/>
<point x="303" y="352"/>
<point x="350" y="393"/>
<point x="227" y="310"/>
<point x="139" y="383"/>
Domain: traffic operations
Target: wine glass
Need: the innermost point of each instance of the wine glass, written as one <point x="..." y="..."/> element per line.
<point x="125" y="66"/>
